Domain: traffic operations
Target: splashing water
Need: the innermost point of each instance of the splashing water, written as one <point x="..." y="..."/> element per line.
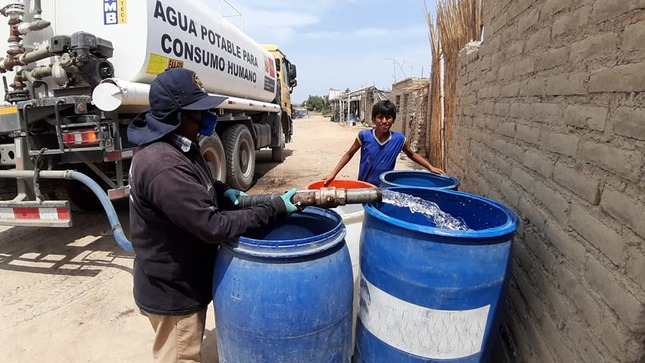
<point x="429" y="209"/>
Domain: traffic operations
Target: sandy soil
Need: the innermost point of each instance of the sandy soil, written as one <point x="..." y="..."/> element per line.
<point x="66" y="294"/>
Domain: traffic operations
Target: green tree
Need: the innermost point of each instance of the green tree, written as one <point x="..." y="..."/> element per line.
<point x="317" y="103"/>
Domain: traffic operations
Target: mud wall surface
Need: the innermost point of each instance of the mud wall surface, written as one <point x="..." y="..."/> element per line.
<point x="551" y="122"/>
<point x="411" y="99"/>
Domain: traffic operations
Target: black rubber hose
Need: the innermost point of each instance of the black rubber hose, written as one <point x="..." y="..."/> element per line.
<point x="255" y="199"/>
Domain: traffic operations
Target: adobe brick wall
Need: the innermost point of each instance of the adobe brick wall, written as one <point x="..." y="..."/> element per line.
<point x="411" y="99"/>
<point x="551" y="122"/>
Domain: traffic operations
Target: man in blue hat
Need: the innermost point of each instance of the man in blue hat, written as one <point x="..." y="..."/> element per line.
<point x="178" y="216"/>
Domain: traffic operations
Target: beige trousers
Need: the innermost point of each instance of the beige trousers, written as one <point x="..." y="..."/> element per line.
<point x="178" y="338"/>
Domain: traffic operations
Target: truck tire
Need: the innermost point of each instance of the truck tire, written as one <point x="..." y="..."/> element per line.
<point x="240" y="157"/>
<point x="277" y="153"/>
<point x="213" y="152"/>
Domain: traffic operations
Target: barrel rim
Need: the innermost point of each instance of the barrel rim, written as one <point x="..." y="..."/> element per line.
<point x="454" y="185"/>
<point x="296" y="247"/>
<point x="509" y="227"/>
<point x="344" y="183"/>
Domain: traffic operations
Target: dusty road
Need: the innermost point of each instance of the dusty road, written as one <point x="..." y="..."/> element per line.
<point x="66" y="294"/>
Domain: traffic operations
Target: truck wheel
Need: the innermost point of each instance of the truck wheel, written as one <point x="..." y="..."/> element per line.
<point x="213" y="152"/>
<point x="240" y="157"/>
<point x="277" y="153"/>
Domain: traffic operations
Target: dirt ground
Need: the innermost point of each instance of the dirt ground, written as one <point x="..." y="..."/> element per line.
<point x="66" y="294"/>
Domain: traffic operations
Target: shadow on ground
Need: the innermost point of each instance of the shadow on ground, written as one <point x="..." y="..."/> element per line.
<point x="66" y="251"/>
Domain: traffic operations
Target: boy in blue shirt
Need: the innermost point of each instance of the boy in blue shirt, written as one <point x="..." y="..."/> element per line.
<point x="379" y="148"/>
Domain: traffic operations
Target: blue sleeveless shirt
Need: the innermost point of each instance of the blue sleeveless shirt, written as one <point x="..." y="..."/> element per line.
<point x="377" y="158"/>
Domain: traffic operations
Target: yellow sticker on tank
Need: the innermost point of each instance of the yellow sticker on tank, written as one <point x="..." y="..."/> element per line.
<point x="123" y="13"/>
<point x="8" y="110"/>
<point x="157" y="64"/>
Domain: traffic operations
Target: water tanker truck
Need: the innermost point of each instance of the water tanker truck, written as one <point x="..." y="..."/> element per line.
<point x="76" y="72"/>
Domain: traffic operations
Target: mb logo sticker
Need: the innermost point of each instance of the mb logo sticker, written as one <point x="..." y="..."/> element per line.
<point x="114" y="12"/>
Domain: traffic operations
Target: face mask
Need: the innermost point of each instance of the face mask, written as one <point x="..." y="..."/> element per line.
<point x="209" y="120"/>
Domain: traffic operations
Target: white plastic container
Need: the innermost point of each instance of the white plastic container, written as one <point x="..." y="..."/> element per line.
<point x="352" y="215"/>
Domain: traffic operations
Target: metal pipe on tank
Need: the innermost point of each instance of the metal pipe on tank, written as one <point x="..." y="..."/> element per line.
<point x="235" y="103"/>
<point x="8" y="63"/>
<point x="34" y="55"/>
<point x="14" y="10"/>
<point x="113" y="93"/>
<point x="37" y="22"/>
<point x="37" y="9"/>
<point x="24" y="27"/>
<point x="40" y="72"/>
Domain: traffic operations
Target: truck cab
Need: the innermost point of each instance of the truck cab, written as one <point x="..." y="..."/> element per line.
<point x="287" y="75"/>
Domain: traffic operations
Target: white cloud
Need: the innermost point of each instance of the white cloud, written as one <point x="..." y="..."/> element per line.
<point x="281" y="31"/>
<point x="284" y="19"/>
<point x="370" y="32"/>
<point x="281" y="18"/>
<point x="342" y="43"/>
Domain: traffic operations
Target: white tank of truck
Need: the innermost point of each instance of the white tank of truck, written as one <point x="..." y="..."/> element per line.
<point x="149" y="36"/>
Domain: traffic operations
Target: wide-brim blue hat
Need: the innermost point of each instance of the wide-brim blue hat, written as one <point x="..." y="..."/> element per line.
<point x="174" y="90"/>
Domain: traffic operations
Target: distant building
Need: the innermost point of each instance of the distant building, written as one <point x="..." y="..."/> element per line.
<point x="355" y="107"/>
<point x="411" y="99"/>
<point x="333" y="94"/>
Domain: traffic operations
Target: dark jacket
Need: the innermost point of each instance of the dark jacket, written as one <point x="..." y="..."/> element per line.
<point x="176" y="224"/>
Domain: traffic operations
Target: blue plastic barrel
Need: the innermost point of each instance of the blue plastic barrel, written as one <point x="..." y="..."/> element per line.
<point x="417" y="178"/>
<point x="283" y="293"/>
<point x="430" y="294"/>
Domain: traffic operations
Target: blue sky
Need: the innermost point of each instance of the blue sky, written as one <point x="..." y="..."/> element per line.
<point x="340" y="44"/>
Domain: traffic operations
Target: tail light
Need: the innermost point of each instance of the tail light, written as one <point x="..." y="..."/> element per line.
<point x="80" y="137"/>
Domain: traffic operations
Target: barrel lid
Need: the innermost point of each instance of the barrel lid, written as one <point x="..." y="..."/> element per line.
<point x="311" y="231"/>
<point x="418" y="178"/>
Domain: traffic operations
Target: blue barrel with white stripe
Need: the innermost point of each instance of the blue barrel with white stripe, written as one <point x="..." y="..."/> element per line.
<point x="284" y="293"/>
<point x="418" y="178"/>
<point x="430" y="294"/>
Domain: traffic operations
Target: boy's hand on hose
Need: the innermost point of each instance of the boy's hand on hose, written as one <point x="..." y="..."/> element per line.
<point x="328" y="179"/>
<point x="286" y="197"/>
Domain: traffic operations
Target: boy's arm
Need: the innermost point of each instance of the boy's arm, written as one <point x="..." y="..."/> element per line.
<point x="420" y="160"/>
<point x="347" y="156"/>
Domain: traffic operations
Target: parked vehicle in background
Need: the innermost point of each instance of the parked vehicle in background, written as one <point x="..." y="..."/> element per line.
<point x="287" y="73"/>
<point x="76" y="72"/>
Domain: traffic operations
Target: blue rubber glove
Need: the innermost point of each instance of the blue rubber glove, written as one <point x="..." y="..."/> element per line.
<point x="232" y="195"/>
<point x="286" y="197"/>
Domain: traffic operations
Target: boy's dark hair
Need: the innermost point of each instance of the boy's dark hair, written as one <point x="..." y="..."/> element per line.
<point x="385" y="108"/>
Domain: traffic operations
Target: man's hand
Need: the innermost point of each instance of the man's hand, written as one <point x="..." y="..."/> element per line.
<point x="232" y="195"/>
<point x="286" y="197"/>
